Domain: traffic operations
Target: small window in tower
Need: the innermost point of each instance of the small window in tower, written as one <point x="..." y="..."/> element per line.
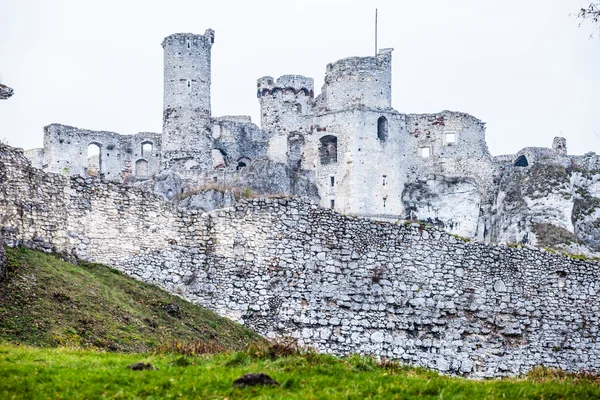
<point x="424" y="152"/>
<point x="450" y="138"/>
<point x="189" y="45"/>
<point x="189" y="83"/>
<point x="332" y="178"/>
<point x="384" y="201"/>
<point x="384" y="181"/>
<point x="382" y="128"/>
<point x="332" y="203"/>
<point x="328" y="149"/>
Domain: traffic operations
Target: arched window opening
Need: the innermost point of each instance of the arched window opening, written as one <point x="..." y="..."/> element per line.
<point x="94" y="157"/>
<point x="141" y="168"/>
<point x="521" y="162"/>
<point x="147" y="149"/>
<point x="328" y="149"/>
<point x="382" y="129"/>
<point x="242" y="163"/>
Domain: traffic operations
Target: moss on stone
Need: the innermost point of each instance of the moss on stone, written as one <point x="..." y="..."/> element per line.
<point x="549" y="235"/>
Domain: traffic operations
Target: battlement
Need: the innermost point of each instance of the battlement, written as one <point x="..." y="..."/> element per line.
<point x="296" y="84"/>
<point x="190" y="39"/>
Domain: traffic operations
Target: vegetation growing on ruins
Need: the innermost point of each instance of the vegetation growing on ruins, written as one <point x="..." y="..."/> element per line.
<point x="49" y="302"/>
<point x="549" y="235"/>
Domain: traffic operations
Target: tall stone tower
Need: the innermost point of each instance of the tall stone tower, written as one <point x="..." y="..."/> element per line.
<point x="186" y="110"/>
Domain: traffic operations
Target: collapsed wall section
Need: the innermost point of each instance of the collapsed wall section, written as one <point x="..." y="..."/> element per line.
<point x="73" y="151"/>
<point x="342" y="285"/>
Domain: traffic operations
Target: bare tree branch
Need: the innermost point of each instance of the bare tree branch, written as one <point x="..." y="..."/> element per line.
<point x="591" y="14"/>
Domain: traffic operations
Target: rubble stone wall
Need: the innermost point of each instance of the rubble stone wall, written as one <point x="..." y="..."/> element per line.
<point x="343" y="285"/>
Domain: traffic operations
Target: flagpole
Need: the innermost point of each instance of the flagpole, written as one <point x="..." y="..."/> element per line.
<point x="375" y="32"/>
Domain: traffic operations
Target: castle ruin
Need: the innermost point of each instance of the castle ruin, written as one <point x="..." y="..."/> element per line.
<point x="345" y="149"/>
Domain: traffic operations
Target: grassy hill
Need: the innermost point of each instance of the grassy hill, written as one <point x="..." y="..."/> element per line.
<point x="57" y="321"/>
<point x="49" y="302"/>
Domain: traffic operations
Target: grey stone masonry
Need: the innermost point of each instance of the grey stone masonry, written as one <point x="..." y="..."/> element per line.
<point x="342" y="285"/>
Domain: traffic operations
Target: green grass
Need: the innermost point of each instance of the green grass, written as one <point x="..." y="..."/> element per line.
<point x="34" y="373"/>
<point x="69" y="331"/>
<point x="49" y="302"/>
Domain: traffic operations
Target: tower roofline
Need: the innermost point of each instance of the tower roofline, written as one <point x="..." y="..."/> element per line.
<point x="208" y="37"/>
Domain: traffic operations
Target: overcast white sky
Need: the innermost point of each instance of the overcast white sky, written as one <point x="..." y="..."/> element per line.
<point x="523" y="67"/>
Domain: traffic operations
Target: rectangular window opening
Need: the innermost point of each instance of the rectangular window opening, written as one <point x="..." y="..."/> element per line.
<point x="450" y="138"/>
<point x="384" y="201"/>
<point x="425" y="152"/>
<point x="384" y="181"/>
<point x="332" y="181"/>
<point x="332" y="203"/>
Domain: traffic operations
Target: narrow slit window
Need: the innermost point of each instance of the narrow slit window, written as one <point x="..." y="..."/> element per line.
<point x="332" y="180"/>
<point x="189" y="44"/>
<point x="384" y="201"/>
<point x="332" y="203"/>
<point x="384" y="180"/>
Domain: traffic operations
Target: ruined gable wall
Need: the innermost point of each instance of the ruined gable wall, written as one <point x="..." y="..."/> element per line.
<point x="454" y="186"/>
<point x="121" y="156"/>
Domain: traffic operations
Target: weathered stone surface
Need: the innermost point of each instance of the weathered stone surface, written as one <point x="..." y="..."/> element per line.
<point x="289" y="268"/>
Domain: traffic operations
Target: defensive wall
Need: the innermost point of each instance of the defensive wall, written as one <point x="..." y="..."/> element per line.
<point x="341" y="284"/>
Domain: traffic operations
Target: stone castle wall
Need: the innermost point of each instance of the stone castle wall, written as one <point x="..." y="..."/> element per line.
<point x="340" y="284"/>
<point x="120" y="157"/>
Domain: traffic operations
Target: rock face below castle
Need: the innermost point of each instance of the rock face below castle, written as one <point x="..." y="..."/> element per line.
<point x="345" y="149"/>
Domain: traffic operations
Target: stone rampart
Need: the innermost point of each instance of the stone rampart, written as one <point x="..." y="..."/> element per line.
<point x="340" y="284"/>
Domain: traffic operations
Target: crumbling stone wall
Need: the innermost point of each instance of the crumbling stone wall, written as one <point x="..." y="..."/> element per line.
<point x="121" y="157"/>
<point x="341" y="284"/>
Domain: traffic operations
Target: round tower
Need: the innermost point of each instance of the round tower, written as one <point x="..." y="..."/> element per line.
<point x="359" y="82"/>
<point x="186" y="107"/>
<point x="284" y="103"/>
